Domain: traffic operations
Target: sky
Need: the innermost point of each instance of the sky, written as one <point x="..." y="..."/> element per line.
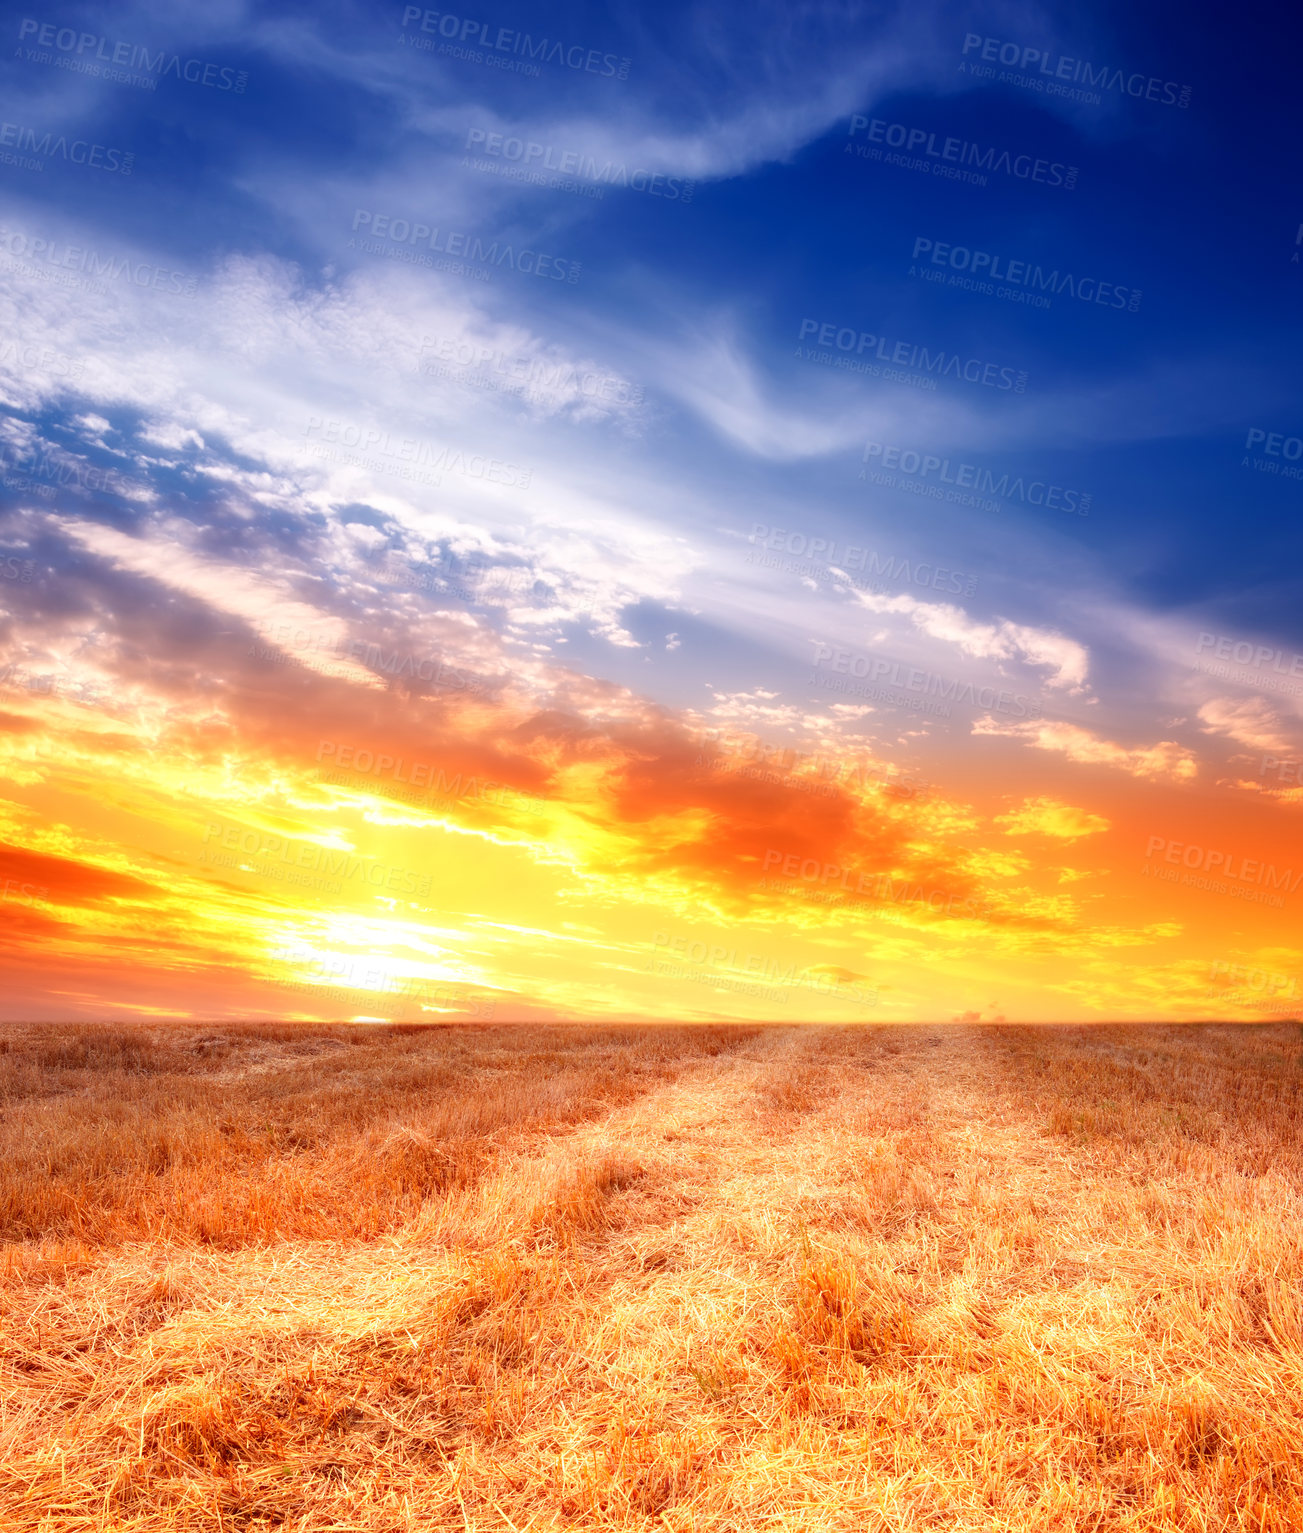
<point x="678" y="513"/>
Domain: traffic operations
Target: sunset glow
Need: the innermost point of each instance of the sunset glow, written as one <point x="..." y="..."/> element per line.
<point x="607" y="635"/>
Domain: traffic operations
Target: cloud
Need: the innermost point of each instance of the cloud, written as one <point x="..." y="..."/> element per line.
<point x="1289" y="798"/>
<point x="759" y="94"/>
<point x="64" y="880"/>
<point x="1251" y="720"/>
<point x="237" y="591"/>
<point x="1049" y="817"/>
<point x="842" y="975"/>
<point x="1165" y="761"/>
<point x="1002" y="640"/>
<point x="599" y="618"/>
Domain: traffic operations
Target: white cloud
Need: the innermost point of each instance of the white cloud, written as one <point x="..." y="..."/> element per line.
<point x="1001" y="640"/>
<point x="1164" y="761"/>
<point x="1251" y="720"/>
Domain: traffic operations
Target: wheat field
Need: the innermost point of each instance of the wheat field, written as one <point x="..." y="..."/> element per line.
<point x="724" y="1278"/>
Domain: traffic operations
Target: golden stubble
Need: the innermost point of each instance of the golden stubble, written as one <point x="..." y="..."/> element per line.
<point x="733" y="1278"/>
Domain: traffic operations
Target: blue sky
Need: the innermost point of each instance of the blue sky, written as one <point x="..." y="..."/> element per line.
<point x="1190" y="206"/>
<point x="267" y="395"/>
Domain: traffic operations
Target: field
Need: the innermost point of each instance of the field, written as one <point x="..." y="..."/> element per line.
<point x="724" y="1278"/>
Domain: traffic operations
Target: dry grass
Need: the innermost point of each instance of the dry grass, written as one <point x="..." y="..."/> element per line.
<point x="660" y="1278"/>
